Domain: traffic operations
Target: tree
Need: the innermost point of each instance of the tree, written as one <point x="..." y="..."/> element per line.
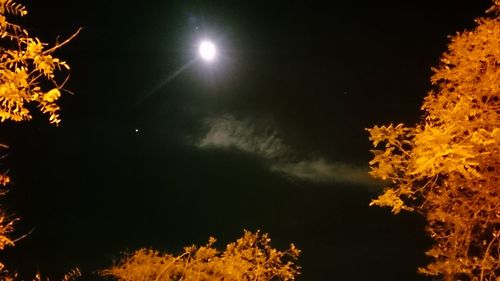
<point x="27" y="78"/>
<point x="27" y="70"/>
<point x="448" y="167"/>
<point x="251" y="257"/>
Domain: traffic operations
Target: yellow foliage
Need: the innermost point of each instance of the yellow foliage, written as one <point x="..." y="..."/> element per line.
<point x="448" y="167"/>
<point x="6" y="225"/>
<point x="26" y="67"/>
<point x="27" y="76"/>
<point x="250" y="258"/>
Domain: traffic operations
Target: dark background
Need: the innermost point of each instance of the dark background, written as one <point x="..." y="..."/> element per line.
<point x="320" y="72"/>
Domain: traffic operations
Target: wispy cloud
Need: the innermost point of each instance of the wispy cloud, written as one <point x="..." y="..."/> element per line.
<point x="265" y="142"/>
<point x="320" y="170"/>
<point x="231" y="133"/>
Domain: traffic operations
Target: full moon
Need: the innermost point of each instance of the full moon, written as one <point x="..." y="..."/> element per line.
<point x="207" y="50"/>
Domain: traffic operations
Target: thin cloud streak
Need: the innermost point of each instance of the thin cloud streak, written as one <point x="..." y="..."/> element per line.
<point x="321" y="171"/>
<point x="230" y="133"/>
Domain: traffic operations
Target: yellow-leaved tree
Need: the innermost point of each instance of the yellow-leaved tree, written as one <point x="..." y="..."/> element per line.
<point x="448" y="167"/>
<point x="27" y="77"/>
<point x="250" y="258"/>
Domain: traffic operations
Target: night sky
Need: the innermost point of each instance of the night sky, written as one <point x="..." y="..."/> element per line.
<point x="268" y="136"/>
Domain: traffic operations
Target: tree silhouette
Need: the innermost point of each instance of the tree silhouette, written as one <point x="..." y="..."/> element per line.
<point x="448" y="166"/>
<point x="250" y="258"/>
<point x="27" y="77"/>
